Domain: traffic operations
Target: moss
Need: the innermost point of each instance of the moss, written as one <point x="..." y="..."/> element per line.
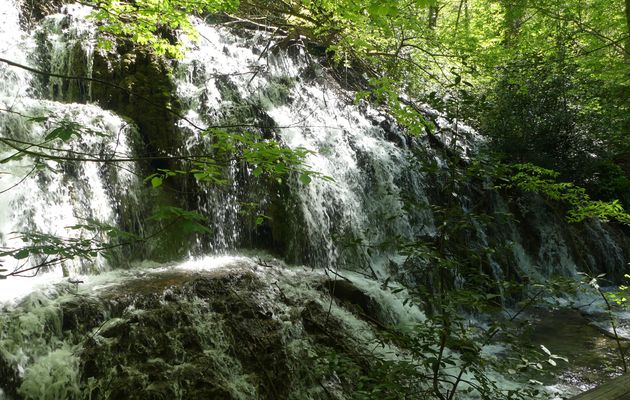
<point x="9" y="375"/>
<point x="68" y="58"/>
<point x="147" y="93"/>
<point x="173" y="350"/>
<point x="277" y="92"/>
<point x="212" y="340"/>
<point x="81" y="313"/>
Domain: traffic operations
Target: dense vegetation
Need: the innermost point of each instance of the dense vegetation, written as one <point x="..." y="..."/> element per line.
<point x="547" y="82"/>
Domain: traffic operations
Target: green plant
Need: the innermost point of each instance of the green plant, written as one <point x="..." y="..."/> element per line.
<point x="618" y="297"/>
<point x="151" y="22"/>
<point x="531" y="178"/>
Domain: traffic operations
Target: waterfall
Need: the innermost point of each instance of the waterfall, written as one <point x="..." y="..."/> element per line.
<point x="374" y="167"/>
<point x="375" y="189"/>
<point x="355" y="219"/>
<point x="48" y="197"/>
<point x="309" y="110"/>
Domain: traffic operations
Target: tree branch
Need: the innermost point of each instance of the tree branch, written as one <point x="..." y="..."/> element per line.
<point x="102" y="82"/>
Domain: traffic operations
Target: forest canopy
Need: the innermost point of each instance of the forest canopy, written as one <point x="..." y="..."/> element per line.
<point x="546" y="81"/>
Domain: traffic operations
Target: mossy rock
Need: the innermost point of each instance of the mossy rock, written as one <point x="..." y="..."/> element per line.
<point x="35" y="10"/>
<point x="81" y="313"/>
<point x="195" y="337"/>
<point x="143" y="90"/>
<point x="9" y="376"/>
<point x="354" y="298"/>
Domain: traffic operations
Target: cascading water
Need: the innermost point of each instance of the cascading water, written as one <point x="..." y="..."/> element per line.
<point x="47" y="196"/>
<point x="309" y="111"/>
<point x="372" y="167"/>
<point x="224" y="76"/>
<point x="274" y="89"/>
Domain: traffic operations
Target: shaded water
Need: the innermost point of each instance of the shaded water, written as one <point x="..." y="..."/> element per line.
<point x="593" y="356"/>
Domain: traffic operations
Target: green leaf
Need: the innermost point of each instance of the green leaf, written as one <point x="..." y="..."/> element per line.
<point x="156" y="181"/>
<point x="22" y="254"/>
<point x="14" y="157"/>
<point x="49" y="250"/>
<point x="305" y="179"/>
<point x="63" y="132"/>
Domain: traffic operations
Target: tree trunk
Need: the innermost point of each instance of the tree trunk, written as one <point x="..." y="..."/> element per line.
<point x="513" y="19"/>
<point x="433" y="15"/>
<point x="463" y="4"/>
<point x="627" y="42"/>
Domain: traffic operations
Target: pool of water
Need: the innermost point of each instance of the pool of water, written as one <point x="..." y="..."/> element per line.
<point x="592" y="354"/>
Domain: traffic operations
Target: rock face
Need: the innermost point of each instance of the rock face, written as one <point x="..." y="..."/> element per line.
<point x="243" y="331"/>
<point x="35" y="10"/>
<point x="142" y="90"/>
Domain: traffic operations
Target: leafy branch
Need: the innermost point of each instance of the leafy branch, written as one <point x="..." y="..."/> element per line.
<point x="46" y="250"/>
<point x="531" y="178"/>
<point x="608" y="298"/>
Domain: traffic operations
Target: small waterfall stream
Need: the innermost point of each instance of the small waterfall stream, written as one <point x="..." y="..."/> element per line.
<point x="349" y="223"/>
<point x="48" y="197"/>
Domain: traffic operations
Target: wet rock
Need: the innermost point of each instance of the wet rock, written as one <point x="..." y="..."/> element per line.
<point x="354" y="298"/>
<point x="211" y="339"/>
<point x="141" y="89"/>
<point x="33" y="11"/>
<point x="173" y="350"/>
<point x="81" y="313"/>
<point x="9" y="376"/>
<point x="228" y="333"/>
<point x="328" y="331"/>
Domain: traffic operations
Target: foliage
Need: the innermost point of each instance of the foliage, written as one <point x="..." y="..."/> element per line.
<point x="544" y="81"/>
<point x="451" y="276"/>
<point x="620" y="296"/>
<point x="553" y="84"/>
<point x="445" y="362"/>
<point x="264" y="157"/>
<point x="530" y="178"/>
<point x="531" y="116"/>
<point x="154" y="23"/>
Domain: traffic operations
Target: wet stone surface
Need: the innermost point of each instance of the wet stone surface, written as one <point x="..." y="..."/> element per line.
<point x="222" y="334"/>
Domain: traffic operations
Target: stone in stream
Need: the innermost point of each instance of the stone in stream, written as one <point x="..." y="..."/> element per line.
<point x="239" y="332"/>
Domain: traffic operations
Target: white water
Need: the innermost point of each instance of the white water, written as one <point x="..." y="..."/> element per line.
<point x="341" y="222"/>
<point x="49" y="196"/>
<point x="363" y="202"/>
<point x="345" y="220"/>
